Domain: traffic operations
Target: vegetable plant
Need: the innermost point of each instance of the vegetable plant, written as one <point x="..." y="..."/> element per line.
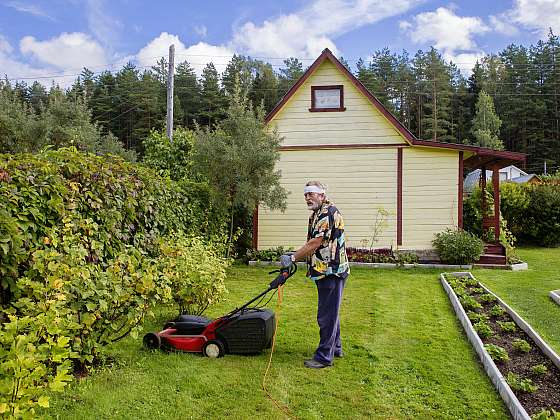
<point x="520" y="384"/>
<point x="497" y="353"/>
<point x="476" y="317"/>
<point x="488" y="297"/>
<point x="507" y="326"/>
<point x="539" y="369"/>
<point x="497" y="310"/>
<point x="521" y="345"/>
<point x="469" y="302"/>
<point x="483" y="329"/>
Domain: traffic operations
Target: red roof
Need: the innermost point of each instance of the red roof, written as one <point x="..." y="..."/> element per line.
<point x="486" y="155"/>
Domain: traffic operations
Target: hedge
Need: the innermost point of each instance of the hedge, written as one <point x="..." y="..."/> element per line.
<point x="532" y="212"/>
<point x="88" y="245"/>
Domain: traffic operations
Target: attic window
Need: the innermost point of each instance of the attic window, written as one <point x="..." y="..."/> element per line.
<point x="327" y="98"/>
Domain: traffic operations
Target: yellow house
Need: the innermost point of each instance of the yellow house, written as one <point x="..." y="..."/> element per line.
<point x="378" y="174"/>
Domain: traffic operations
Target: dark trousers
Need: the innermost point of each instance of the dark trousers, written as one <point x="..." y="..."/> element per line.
<point x="329" y="290"/>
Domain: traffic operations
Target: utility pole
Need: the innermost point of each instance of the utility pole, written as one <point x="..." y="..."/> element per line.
<point x="170" y="77"/>
<point x="545" y="167"/>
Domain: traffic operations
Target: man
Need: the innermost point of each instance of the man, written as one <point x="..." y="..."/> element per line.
<point x="325" y="252"/>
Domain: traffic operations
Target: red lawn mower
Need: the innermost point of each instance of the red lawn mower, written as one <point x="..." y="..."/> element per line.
<point x="245" y="330"/>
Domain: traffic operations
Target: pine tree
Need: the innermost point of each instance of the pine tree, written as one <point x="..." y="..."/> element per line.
<point x="213" y="102"/>
<point x="486" y="124"/>
<point x="188" y="90"/>
<point x="434" y="84"/>
<point x="289" y="75"/>
<point x="264" y="88"/>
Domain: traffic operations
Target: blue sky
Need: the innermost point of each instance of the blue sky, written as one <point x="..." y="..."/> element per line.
<point x="50" y="39"/>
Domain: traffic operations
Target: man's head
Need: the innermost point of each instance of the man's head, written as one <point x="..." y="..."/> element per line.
<point x="315" y="194"/>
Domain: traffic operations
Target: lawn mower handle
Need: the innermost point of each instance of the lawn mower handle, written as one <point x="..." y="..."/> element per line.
<point x="285" y="274"/>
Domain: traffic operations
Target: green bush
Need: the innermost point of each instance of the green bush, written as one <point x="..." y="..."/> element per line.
<point x="272" y="254"/>
<point x="532" y="213"/>
<point x="458" y="246"/>
<point x="34" y="354"/>
<point x="195" y="271"/>
<point x="99" y="304"/>
<point x="85" y="253"/>
<point x="126" y="204"/>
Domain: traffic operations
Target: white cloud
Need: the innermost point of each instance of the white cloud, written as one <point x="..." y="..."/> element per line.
<point x="445" y="30"/>
<point x="201" y="30"/>
<point x="197" y="55"/>
<point x="102" y="25"/>
<point x="307" y="32"/>
<point x="5" y="46"/>
<point x="464" y="61"/>
<point x="67" y="51"/>
<point x="539" y="15"/>
<point x="502" y="25"/>
<point x="13" y="68"/>
<point x="31" y="9"/>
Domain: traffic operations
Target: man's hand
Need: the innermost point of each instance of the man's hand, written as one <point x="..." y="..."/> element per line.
<point x="286" y="260"/>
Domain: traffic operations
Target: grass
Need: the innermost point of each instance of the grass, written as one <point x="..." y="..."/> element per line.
<point x="527" y="291"/>
<point x="406" y="357"/>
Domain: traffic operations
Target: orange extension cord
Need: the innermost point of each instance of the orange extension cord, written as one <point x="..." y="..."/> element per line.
<point x="282" y="407"/>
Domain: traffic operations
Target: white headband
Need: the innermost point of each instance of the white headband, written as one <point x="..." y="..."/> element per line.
<point x="313" y="189"/>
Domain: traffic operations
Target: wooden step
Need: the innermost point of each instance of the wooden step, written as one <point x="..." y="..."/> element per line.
<point x="492" y="259"/>
<point x="495" y="249"/>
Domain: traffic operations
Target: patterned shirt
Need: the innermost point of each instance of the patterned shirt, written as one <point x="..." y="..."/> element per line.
<point x="330" y="257"/>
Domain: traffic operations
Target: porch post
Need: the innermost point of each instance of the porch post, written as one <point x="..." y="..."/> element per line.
<point x="482" y="183"/>
<point x="496" y="194"/>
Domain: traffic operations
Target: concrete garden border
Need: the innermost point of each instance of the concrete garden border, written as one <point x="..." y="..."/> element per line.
<point x="514" y="406"/>
<point x="555" y="296"/>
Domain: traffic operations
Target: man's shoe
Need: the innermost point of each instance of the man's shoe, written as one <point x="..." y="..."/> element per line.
<point x="315" y="364"/>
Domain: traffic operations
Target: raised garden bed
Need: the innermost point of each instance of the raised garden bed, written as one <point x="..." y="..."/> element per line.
<point x="555" y="296"/>
<point x="523" y="368"/>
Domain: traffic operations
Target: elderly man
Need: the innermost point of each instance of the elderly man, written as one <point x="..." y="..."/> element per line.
<point x="325" y="252"/>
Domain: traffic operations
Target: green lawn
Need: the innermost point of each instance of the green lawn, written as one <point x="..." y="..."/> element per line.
<point x="406" y="355"/>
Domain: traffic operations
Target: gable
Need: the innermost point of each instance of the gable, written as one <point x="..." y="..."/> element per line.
<point x="361" y="123"/>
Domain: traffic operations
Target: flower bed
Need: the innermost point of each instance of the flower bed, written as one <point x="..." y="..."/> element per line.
<point x="380" y="255"/>
<point x="523" y="368"/>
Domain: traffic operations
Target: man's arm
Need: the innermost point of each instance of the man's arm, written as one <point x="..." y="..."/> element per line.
<point x="308" y="248"/>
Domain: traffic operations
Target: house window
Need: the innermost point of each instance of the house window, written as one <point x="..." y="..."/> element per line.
<point x="327" y="98"/>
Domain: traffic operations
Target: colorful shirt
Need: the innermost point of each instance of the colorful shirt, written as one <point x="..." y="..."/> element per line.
<point x="330" y="257"/>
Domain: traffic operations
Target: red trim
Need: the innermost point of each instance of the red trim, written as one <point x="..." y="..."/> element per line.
<point x="340" y="89"/>
<point x="460" y="192"/>
<point x="328" y="55"/>
<point x="327" y="109"/>
<point x="344" y="146"/>
<point x="255" y="239"/>
<point x="399" y="195"/>
<point x="481" y="151"/>
<point x="496" y="193"/>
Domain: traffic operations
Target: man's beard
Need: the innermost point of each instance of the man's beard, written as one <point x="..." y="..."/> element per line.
<point x="315" y="205"/>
